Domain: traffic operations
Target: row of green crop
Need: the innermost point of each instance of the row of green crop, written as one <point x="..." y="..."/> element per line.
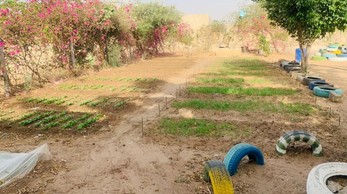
<point x="127" y="79"/>
<point x="100" y="87"/>
<point x="63" y="120"/>
<point x="104" y="102"/>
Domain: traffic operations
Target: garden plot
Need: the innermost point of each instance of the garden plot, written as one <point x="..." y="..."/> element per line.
<point x="93" y="97"/>
<point x="246" y="101"/>
<point x="53" y="121"/>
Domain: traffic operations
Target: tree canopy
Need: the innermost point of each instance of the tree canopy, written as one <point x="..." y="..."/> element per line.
<point x="307" y="20"/>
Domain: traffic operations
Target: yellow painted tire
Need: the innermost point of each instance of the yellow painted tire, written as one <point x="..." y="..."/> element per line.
<point x="220" y="179"/>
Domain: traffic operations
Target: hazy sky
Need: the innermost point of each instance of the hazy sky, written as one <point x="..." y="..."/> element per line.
<point x="217" y="9"/>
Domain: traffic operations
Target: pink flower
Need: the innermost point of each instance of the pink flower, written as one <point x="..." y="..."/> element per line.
<point x="2" y="44"/>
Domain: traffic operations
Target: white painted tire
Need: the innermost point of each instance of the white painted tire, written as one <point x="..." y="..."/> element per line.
<point x="332" y="49"/>
<point x="318" y="176"/>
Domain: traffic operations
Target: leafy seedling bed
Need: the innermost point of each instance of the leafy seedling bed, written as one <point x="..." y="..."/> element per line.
<point x="61" y="121"/>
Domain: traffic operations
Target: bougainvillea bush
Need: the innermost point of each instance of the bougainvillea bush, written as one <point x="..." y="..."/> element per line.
<point x="254" y="29"/>
<point x="41" y="35"/>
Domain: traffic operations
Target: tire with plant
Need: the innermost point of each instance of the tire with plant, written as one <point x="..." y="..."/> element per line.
<point x="239" y="151"/>
<point x="303" y="136"/>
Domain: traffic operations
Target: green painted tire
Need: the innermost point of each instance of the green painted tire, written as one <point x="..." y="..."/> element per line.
<point x="291" y="136"/>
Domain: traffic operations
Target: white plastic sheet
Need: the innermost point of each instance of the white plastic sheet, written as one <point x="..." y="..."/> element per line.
<point x="14" y="166"/>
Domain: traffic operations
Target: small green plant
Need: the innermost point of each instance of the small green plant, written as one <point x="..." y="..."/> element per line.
<point x="49" y="119"/>
<point x="28" y="115"/>
<point x="36" y="118"/>
<point x="88" y="122"/>
<point x="243" y="91"/>
<point x="86" y="102"/>
<point x="72" y="123"/>
<point x="56" y="123"/>
<point x="119" y="104"/>
<point x="96" y="103"/>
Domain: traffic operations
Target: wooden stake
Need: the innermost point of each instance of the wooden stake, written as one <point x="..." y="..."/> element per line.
<point x="339" y="120"/>
<point x="165" y="102"/>
<point x="330" y="111"/>
<point x="142" y="127"/>
<point x="159" y="109"/>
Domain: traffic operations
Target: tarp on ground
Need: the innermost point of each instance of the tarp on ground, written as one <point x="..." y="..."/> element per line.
<point x="14" y="166"/>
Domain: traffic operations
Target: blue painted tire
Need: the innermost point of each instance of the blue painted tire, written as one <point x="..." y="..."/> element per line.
<point x="342" y="55"/>
<point x="319" y="83"/>
<point x="324" y="91"/>
<point x="329" y="55"/>
<point x="237" y="152"/>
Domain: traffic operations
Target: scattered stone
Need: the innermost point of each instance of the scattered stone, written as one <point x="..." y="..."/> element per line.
<point x="334" y="187"/>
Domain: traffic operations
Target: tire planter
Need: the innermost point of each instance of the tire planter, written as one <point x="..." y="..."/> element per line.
<point x="318" y="83"/>
<point x="332" y="49"/>
<point x="329" y="55"/>
<point x="209" y="165"/>
<point x="333" y="45"/>
<point x="295" y="68"/>
<point x="334" y="97"/>
<point x="284" y="63"/>
<point x="319" y="58"/>
<point x="292" y="63"/>
<point x="324" y="91"/>
<point x="216" y="173"/>
<point x="323" y="50"/>
<point x="300" y="78"/>
<point x="337" y="52"/>
<point x="291" y="136"/>
<point x="309" y="79"/>
<point x="318" y="176"/>
<point x="237" y="152"/>
<point x="338" y="59"/>
<point x="342" y="55"/>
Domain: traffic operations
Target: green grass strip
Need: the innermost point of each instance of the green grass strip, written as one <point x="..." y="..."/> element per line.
<point x="243" y="91"/>
<point x="242" y="106"/>
<point x="221" y="80"/>
<point x="194" y="127"/>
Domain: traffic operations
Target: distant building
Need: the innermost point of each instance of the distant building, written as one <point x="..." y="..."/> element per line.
<point x="196" y="21"/>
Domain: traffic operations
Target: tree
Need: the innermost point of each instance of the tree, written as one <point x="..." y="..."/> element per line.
<point x="254" y="25"/>
<point x="154" y="24"/>
<point x="307" y="20"/>
<point x="3" y="70"/>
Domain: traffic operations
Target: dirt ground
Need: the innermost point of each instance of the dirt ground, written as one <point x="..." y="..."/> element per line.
<point x="122" y="158"/>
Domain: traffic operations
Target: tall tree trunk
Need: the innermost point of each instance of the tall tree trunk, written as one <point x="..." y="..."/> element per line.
<point x="72" y="54"/>
<point x="305" y="50"/>
<point x="7" y="83"/>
